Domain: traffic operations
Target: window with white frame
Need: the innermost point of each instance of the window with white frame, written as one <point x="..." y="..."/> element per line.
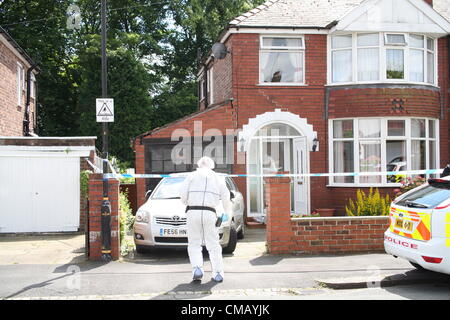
<point x="281" y="60"/>
<point x="381" y="144"/>
<point x="390" y="57"/>
<point x="20" y="77"/>
<point x="209" y="85"/>
<point x="33" y="86"/>
<point x="201" y="87"/>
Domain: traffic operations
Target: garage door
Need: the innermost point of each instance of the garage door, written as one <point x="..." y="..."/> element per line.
<point x="39" y="194"/>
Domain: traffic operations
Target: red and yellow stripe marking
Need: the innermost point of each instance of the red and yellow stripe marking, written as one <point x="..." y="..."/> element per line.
<point x="422" y="221"/>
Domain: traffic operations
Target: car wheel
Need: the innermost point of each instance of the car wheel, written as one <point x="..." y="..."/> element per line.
<point x="232" y="241"/>
<point x="142" y="249"/>
<point x="241" y="233"/>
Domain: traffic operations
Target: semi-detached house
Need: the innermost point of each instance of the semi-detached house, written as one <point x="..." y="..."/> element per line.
<point x="18" y="94"/>
<point x="318" y="86"/>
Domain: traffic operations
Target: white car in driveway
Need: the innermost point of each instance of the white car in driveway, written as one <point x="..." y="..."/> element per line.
<point x="161" y="221"/>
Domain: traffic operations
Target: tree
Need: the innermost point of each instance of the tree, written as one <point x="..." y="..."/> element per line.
<point x="152" y="60"/>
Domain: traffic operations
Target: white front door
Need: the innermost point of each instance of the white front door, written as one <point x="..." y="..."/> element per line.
<point x="300" y="184"/>
<point x="269" y="155"/>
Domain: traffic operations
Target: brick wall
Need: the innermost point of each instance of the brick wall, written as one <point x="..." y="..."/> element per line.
<point x="339" y="234"/>
<point x="328" y="235"/>
<point x="95" y="202"/>
<point x="11" y="114"/>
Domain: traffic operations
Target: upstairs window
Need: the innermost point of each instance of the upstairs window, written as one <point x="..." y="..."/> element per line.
<point x="375" y="57"/>
<point x="201" y="88"/>
<point x="33" y="86"/>
<point x="281" y="60"/>
<point x="368" y="57"/>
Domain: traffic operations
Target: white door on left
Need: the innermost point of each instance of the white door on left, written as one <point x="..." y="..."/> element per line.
<point x="39" y="194"/>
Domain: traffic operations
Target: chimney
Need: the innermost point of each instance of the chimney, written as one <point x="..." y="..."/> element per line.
<point x="430" y="2"/>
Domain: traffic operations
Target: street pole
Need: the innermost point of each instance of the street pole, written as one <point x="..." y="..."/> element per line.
<point x="106" y="205"/>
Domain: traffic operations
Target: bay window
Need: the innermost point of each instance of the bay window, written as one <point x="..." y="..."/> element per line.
<point x="381" y="144"/>
<point x="342" y="58"/>
<point x="368" y="57"/>
<point x="374" y="57"/>
<point x="281" y="60"/>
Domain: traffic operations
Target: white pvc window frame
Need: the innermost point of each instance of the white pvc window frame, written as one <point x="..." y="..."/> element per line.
<point x="270" y="49"/>
<point x="383" y="138"/>
<point x="382" y="60"/>
<point x="20" y="78"/>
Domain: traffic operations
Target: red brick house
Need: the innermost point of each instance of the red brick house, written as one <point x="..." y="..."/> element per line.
<point x="17" y="89"/>
<point x="319" y="86"/>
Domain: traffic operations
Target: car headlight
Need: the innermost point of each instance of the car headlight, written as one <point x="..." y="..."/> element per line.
<point x="142" y="216"/>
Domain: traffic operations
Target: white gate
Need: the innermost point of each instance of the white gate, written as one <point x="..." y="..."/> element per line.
<point x="39" y="191"/>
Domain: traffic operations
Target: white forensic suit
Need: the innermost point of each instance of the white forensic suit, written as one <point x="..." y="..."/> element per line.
<point x="204" y="188"/>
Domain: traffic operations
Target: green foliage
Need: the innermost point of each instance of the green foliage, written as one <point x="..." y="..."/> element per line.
<point x="126" y="224"/>
<point x="84" y="183"/>
<point x="394" y="74"/>
<point x="372" y="204"/>
<point x="153" y="49"/>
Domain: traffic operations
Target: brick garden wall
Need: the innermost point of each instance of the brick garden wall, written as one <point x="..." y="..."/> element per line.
<point x="95" y="201"/>
<point x="339" y="234"/>
<point x="326" y="235"/>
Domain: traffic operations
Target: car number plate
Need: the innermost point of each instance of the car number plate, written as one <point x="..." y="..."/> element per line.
<point x="168" y="232"/>
<point x="404" y="224"/>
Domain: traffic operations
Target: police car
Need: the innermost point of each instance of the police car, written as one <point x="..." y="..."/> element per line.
<point x="419" y="228"/>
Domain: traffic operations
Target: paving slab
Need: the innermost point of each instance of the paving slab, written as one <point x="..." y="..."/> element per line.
<point x="42" y="249"/>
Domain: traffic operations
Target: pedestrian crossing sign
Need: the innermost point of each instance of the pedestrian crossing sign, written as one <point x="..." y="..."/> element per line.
<point x="105" y="110"/>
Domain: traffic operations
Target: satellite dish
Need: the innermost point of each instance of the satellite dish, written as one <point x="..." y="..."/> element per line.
<point x="219" y="50"/>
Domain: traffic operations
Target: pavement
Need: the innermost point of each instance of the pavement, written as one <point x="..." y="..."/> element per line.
<point x="250" y="273"/>
<point x="42" y="249"/>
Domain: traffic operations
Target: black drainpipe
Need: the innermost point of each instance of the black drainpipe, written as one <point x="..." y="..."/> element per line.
<point x="26" y="119"/>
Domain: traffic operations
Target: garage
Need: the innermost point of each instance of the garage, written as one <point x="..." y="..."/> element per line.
<point x="40" y="183"/>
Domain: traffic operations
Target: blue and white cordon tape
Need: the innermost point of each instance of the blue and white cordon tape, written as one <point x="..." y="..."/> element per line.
<point x="290" y="175"/>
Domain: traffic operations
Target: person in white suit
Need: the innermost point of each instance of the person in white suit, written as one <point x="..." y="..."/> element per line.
<point x="201" y="192"/>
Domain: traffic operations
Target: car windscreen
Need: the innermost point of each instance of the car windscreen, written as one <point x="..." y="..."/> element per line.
<point x="168" y="188"/>
<point x="427" y="197"/>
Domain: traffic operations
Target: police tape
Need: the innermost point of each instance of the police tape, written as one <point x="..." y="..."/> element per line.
<point x="289" y="175"/>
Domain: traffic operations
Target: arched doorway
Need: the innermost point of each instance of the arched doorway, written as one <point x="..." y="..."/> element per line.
<point x="277" y="141"/>
<point x="277" y="147"/>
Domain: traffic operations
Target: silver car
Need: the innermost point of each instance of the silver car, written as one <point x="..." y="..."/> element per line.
<point x="161" y="221"/>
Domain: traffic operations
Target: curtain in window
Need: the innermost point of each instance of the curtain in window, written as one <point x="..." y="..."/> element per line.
<point x="343" y="160"/>
<point x="342" y="65"/>
<point x="430" y="67"/>
<point x="418" y="155"/>
<point x="416" y="65"/>
<point x="282" y="67"/>
<point x="369" y="160"/>
<point x="368" y="64"/>
<point x="296" y="60"/>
